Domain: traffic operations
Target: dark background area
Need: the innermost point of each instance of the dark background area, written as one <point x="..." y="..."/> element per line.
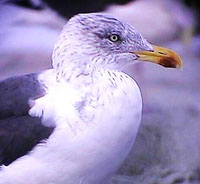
<point x="68" y="8"/>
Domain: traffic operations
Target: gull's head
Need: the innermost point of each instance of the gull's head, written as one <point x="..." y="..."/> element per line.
<point x="99" y="40"/>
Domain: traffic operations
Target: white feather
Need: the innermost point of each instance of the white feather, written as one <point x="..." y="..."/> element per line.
<point x="79" y="152"/>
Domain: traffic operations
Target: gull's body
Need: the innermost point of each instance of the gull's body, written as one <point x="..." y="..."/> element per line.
<point x="92" y="106"/>
<point x="89" y="146"/>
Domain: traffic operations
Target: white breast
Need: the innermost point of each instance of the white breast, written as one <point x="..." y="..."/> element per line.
<point x="90" y="142"/>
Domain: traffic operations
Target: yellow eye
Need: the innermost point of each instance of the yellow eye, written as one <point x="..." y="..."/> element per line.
<point x="114" y="38"/>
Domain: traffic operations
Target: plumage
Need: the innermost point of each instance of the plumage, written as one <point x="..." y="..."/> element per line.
<point x="19" y="132"/>
<point x="86" y="108"/>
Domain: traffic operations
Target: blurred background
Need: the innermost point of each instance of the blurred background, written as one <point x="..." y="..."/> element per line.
<point x="167" y="148"/>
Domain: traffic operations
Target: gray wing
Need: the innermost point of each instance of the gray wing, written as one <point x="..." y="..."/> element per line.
<point x="19" y="132"/>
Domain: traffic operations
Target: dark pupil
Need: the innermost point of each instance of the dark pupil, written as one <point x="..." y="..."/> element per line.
<point x="114" y="38"/>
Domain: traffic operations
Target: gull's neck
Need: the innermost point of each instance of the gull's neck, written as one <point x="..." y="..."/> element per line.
<point x="75" y="60"/>
<point x="80" y="69"/>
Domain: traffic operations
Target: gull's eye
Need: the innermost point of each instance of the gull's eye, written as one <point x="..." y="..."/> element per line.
<point x="114" y="37"/>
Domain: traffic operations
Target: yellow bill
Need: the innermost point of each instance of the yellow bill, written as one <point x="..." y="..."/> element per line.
<point x="161" y="56"/>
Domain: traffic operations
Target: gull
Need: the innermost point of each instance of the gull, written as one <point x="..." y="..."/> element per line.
<point x="76" y="123"/>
